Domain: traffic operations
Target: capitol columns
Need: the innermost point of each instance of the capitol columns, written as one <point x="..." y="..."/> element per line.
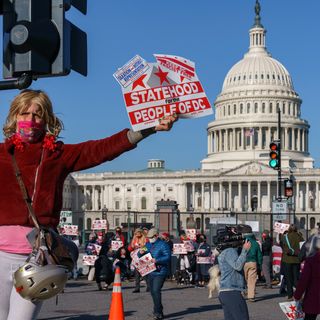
<point x="307" y="201"/>
<point x="259" y="196"/>
<point x="240" y="195"/>
<point x="317" y="196"/>
<point x="202" y="196"/>
<point x="269" y="195"/>
<point x="220" y="195"/>
<point x="230" y="195"/>
<point x="249" y="195"/>
<point x="298" y="207"/>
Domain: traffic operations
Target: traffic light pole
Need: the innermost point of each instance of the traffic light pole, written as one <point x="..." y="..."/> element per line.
<point x="22" y="82"/>
<point x="279" y="168"/>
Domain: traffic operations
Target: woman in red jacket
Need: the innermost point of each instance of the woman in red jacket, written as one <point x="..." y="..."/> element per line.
<point x="309" y="282"/>
<point x="31" y="130"/>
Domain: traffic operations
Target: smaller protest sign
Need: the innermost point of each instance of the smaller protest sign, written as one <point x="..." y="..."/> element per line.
<point x="280" y="227"/>
<point x="204" y="260"/>
<point x="188" y="245"/>
<point x="88" y="260"/>
<point x="69" y="230"/>
<point x="99" y="224"/>
<point x="292" y="310"/>
<point x="145" y="265"/>
<point x="116" y="244"/>
<point x="179" y="248"/>
<point x="191" y="234"/>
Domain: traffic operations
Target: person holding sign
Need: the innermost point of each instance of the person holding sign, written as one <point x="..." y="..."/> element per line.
<point x="138" y="241"/>
<point x="31" y="130"/>
<point x="161" y="254"/>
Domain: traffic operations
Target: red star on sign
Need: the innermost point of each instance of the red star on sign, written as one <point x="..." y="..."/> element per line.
<point x="162" y="75"/>
<point x="139" y="82"/>
<point x="293" y="308"/>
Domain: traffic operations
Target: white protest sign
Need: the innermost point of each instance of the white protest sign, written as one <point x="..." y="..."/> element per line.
<point x="280" y="227"/>
<point x="191" y="234"/>
<point x="88" y="260"/>
<point x="292" y="310"/>
<point x="145" y="265"/>
<point x="204" y="260"/>
<point x="99" y="224"/>
<point x="70" y="230"/>
<point x="116" y="244"/>
<point x="179" y="248"/>
<point x="154" y="90"/>
<point x="188" y="245"/>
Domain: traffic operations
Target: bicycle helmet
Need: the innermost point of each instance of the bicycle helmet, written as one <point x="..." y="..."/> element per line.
<point x="34" y="282"/>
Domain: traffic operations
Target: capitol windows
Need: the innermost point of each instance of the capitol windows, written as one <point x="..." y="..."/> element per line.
<point x="170" y="189"/>
<point x="228" y="110"/>
<point x="262" y="76"/>
<point x="234" y="109"/>
<point x="158" y="189"/>
<point x="264" y="139"/>
<point x="268" y="76"/>
<point x="116" y="189"/>
<point x="129" y="207"/>
<point x="270" y="108"/>
<point x="273" y="77"/>
<point x="255" y="136"/>
<point x="256" y="107"/>
<point x="143" y="203"/>
<point x="248" y="107"/>
<point x="289" y="109"/>
<point x="129" y="189"/>
<point x="263" y="107"/>
<point x="290" y="139"/>
<point x="241" y="108"/>
<point x="224" y="110"/>
<point x="117" y="205"/>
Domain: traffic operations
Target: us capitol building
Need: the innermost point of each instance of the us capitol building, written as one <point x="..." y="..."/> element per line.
<point x="234" y="176"/>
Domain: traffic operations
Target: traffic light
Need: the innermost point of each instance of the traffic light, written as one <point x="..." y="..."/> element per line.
<point x="274" y="155"/>
<point x="39" y="40"/>
<point x="288" y="188"/>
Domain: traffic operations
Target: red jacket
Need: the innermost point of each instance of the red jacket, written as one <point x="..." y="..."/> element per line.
<point x="309" y="283"/>
<point x="53" y="170"/>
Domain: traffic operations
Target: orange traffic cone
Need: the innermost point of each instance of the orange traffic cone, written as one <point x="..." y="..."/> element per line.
<point x="116" y="308"/>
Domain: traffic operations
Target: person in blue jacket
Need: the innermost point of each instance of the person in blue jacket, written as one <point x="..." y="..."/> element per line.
<point x="161" y="254"/>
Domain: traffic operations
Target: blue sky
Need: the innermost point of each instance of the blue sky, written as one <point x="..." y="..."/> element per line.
<point x="212" y="33"/>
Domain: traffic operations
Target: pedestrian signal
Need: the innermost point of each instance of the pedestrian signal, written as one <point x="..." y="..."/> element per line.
<point x="288" y="188"/>
<point x="274" y="155"/>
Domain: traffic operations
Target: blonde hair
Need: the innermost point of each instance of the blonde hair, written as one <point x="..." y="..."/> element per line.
<point x="22" y="102"/>
<point x="139" y="240"/>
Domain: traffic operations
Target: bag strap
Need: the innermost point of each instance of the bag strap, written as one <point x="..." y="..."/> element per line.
<point x="288" y="243"/>
<point x="25" y="195"/>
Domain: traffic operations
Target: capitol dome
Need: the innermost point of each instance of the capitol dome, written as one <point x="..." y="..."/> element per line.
<point x="258" y="69"/>
<point x="256" y="91"/>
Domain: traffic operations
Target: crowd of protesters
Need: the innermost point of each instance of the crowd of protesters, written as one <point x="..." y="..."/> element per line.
<point x="287" y="264"/>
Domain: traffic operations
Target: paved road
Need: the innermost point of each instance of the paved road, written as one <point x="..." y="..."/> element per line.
<point x="82" y="301"/>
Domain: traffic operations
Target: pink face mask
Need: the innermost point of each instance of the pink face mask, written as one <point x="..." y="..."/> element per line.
<point x="30" y="131"/>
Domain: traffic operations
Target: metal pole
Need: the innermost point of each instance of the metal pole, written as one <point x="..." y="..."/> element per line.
<point x="23" y="82"/>
<point x="279" y="169"/>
